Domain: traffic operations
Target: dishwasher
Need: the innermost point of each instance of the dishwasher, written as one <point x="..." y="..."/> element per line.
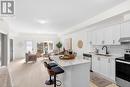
<point x="89" y="58"/>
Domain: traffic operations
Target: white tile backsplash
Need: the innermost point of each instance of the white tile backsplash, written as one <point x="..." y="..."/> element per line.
<point x="114" y="49"/>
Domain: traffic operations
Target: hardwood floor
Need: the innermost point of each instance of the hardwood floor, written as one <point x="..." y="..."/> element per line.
<point x="31" y="74"/>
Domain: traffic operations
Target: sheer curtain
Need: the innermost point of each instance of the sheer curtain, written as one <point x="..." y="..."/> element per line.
<point x="29" y="46"/>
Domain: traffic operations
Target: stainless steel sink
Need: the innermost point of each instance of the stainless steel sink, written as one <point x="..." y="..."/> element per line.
<point x="104" y="55"/>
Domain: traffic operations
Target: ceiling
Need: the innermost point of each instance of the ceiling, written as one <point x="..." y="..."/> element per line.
<point x="60" y="15"/>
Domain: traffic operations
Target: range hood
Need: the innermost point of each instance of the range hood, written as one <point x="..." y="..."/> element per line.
<point x="124" y="40"/>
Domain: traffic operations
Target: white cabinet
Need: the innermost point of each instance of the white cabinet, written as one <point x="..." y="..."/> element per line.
<point x="111" y="69"/>
<point x="88" y="41"/>
<point x="89" y="37"/>
<point x="112" y="35"/>
<point x="100" y="37"/>
<point x="106" y="36"/>
<point x="95" y="64"/>
<point x="94" y="37"/>
<point x="125" y="29"/>
<point x="116" y="34"/>
<point x="104" y="66"/>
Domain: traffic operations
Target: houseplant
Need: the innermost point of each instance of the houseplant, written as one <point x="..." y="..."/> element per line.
<point x="59" y="45"/>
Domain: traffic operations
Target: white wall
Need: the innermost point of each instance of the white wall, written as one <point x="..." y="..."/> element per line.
<point x="19" y="42"/>
<point x="81" y="35"/>
<point x="4" y="28"/>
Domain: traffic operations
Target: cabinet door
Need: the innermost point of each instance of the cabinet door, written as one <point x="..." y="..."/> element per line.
<point x="94" y="37"/>
<point x="116" y="34"/>
<point x="88" y="41"/>
<point x="100" y="37"/>
<point x="125" y="29"/>
<point x="108" y="36"/>
<point x="111" y="69"/>
<point x="104" y="66"/>
<point x="95" y="64"/>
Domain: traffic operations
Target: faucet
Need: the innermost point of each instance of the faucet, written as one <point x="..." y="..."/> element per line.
<point x="106" y="49"/>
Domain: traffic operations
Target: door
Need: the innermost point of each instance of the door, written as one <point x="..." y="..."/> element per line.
<point x="0" y="49"/>
<point x="11" y="49"/>
<point x="4" y="49"/>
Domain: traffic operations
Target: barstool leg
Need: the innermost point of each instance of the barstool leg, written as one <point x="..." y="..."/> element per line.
<point x="54" y="80"/>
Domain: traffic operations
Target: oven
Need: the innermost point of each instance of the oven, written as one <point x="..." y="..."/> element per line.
<point x="123" y="70"/>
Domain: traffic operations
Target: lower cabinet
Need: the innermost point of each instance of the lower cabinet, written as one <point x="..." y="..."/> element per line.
<point x="104" y="66"/>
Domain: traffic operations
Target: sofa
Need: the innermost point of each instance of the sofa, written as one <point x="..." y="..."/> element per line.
<point x="30" y="57"/>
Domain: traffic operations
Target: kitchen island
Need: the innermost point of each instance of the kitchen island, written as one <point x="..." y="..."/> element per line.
<point x="77" y="72"/>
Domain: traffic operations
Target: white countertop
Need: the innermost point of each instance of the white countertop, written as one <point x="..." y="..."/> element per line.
<point x="65" y="63"/>
<point x="112" y="55"/>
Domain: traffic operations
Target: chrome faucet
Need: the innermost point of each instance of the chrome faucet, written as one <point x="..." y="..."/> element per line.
<point x="106" y="49"/>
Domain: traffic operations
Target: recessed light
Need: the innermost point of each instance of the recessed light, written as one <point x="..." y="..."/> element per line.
<point x="41" y="21"/>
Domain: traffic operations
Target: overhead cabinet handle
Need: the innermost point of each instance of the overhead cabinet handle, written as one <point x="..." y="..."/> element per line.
<point x="109" y="61"/>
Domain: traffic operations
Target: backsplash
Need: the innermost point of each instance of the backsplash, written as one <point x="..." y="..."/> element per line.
<point x="114" y="49"/>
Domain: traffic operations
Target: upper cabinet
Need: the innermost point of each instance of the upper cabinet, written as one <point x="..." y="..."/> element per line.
<point x="106" y="36"/>
<point x="116" y="34"/>
<point x="125" y="29"/>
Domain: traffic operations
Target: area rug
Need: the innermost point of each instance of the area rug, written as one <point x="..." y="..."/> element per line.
<point x="99" y="81"/>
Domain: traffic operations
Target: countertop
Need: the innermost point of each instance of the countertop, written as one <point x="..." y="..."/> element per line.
<point x="66" y="63"/>
<point x="112" y="55"/>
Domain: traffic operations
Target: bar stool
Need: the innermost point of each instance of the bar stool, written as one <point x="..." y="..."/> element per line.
<point x="49" y="66"/>
<point x="54" y="71"/>
<point x="57" y="70"/>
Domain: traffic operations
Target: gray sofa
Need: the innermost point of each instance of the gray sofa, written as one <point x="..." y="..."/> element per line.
<point x="5" y="80"/>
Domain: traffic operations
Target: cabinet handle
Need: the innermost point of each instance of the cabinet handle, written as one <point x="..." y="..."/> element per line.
<point x="113" y="41"/>
<point x="103" y="42"/>
<point x="90" y="42"/>
<point x="98" y="58"/>
<point x="109" y="61"/>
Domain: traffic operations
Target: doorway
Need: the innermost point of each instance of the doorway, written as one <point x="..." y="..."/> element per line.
<point x="11" y="50"/>
<point x="4" y="49"/>
<point x="0" y="49"/>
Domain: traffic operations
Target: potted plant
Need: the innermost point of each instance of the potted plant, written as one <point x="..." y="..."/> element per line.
<point x="59" y="45"/>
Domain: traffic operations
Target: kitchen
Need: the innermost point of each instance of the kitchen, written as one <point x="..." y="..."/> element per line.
<point x="87" y="43"/>
<point x="104" y="44"/>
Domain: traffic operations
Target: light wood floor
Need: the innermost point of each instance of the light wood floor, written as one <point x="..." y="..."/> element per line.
<point x="31" y="74"/>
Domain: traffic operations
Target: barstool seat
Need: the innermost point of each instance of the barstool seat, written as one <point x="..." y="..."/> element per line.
<point x="57" y="70"/>
<point x="52" y="64"/>
<point x="53" y="70"/>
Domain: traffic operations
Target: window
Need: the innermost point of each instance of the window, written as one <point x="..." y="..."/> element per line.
<point x="29" y="46"/>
